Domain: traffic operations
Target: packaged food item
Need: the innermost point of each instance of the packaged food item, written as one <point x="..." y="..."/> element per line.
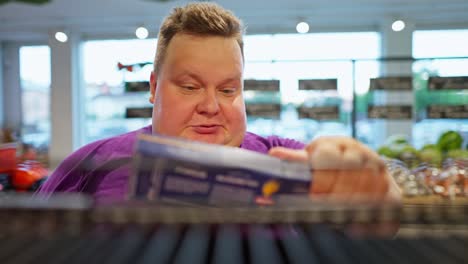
<point x="411" y="182"/>
<point x="449" y="180"/>
<point x="180" y="171"/>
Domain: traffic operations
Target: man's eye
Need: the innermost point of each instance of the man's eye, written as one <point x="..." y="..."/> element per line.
<point x="189" y="88"/>
<point x="228" y="90"/>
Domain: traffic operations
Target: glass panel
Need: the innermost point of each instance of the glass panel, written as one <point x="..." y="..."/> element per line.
<point x="35" y="95"/>
<point x="106" y="96"/>
<point x="450" y="44"/>
<point x="292" y="57"/>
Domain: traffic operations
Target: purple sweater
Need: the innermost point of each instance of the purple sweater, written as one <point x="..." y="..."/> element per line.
<point x="102" y="168"/>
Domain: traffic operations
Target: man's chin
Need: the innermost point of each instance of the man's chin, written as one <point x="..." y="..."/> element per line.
<point x="208" y="138"/>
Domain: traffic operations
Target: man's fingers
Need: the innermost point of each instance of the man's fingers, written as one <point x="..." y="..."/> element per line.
<point x="325" y="157"/>
<point x="323" y="181"/>
<point x="346" y="183"/>
<point x="288" y="154"/>
<point x="343" y="168"/>
<point x="338" y="141"/>
<point x="352" y="159"/>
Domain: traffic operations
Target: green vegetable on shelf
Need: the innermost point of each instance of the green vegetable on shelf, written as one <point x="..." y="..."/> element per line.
<point x="430" y="146"/>
<point x="397" y="139"/>
<point x="409" y="155"/>
<point x="387" y="152"/>
<point x="450" y="140"/>
<point x="432" y="156"/>
<point x="458" y="154"/>
<point x="449" y="145"/>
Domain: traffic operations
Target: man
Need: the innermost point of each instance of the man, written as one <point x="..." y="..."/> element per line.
<point x="197" y="94"/>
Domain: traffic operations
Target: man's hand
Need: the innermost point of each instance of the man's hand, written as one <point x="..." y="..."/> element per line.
<point x="344" y="168"/>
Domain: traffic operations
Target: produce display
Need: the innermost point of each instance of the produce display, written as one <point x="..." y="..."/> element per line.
<point x="19" y="172"/>
<point x="440" y="168"/>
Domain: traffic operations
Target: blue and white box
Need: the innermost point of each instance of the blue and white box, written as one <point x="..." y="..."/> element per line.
<point x="181" y="171"/>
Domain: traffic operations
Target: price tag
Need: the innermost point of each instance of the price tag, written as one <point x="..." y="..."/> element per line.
<point x="319" y="112"/>
<point x="262" y="85"/>
<point x="137" y="87"/>
<point x="138" y="112"/>
<point x="401" y="83"/>
<point x="318" y="84"/>
<point x="448" y="83"/>
<point x="263" y="110"/>
<point x="447" y="111"/>
<point x="389" y="112"/>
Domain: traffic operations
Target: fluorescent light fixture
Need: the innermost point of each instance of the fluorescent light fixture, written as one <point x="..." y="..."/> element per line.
<point x="61" y="36"/>
<point x="302" y="27"/>
<point x="141" y="33"/>
<point x="398" y="25"/>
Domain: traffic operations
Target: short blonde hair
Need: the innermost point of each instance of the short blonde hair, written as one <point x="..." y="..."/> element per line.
<point x="199" y="19"/>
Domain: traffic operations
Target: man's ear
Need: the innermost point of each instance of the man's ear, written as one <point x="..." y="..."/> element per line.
<point x="153" y="82"/>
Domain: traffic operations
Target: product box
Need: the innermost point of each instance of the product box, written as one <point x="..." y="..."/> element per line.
<point x="180" y="171"/>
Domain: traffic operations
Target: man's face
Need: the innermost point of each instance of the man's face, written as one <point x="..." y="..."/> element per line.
<point x="197" y="94"/>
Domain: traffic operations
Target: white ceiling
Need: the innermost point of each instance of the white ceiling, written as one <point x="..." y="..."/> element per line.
<point x="118" y="18"/>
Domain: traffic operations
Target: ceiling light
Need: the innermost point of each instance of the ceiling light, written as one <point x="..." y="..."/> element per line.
<point x="302" y="27"/>
<point x="141" y="33"/>
<point x="398" y="25"/>
<point x="61" y="36"/>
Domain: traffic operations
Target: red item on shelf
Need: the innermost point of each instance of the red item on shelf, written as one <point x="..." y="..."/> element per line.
<point x="7" y="157"/>
<point x="28" y="173"/>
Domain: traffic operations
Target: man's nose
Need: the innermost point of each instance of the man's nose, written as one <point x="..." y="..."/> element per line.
<point x="208" y="104"/>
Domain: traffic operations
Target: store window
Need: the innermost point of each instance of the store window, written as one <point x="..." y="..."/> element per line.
<point x="287" y="58"/>
<point x="440" y="53"/>
<point x="290" y="58"/>
<point x="35" y="95"/>
<point x="107" y="98"/>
